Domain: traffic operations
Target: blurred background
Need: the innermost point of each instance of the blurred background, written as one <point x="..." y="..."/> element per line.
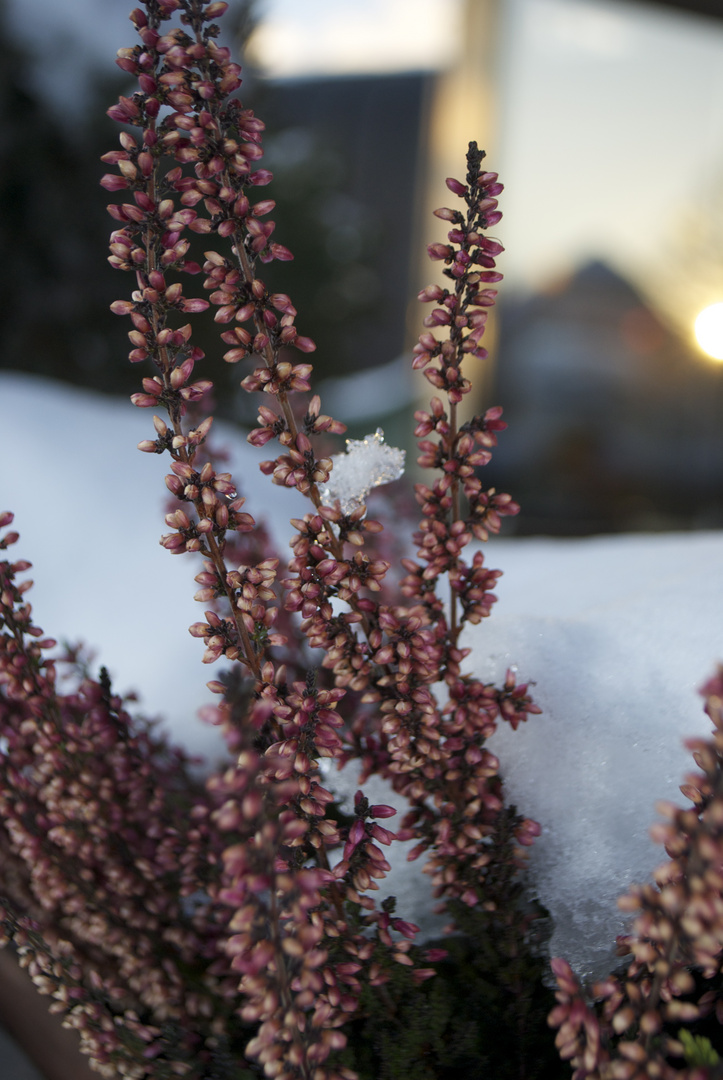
<point x="604" y="119"/>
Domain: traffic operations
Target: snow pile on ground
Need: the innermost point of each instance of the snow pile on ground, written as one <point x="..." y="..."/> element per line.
<point x="618" y="634"/>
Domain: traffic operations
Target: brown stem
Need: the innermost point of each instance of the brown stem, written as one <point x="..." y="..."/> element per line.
<point x="283" y="978"/>
<point x="333" y="886"/>
<point x="453" y="627"/>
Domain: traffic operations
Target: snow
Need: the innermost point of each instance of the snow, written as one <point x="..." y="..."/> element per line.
<point x="617" y="633"/>
<point x="367" y="463"/>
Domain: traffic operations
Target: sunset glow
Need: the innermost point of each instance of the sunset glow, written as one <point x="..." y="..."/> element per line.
<point x="709" y="330"/>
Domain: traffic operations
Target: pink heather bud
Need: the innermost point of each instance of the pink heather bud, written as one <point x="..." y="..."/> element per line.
<point x="380" y="810"/>
<point x="527" y="831"/>
<point x="140" y="322"/>
<point x="196" y="390"/>
<point x="147" y="446"/>
<point x="121" y="307"/>
<point x="126" y="64"/>
<point x="173" y="293"/>
<point x="119" y="113"/>
<point x="132" y="213"/>
<point x="127" y="169"/>
<point x="192" y="306"/>
<point x="282" y="303"/>
<point x="409" y="929"/>
<point x="440" y="251"/>
<point x="6" y="518"/>
<point x="439" y="317"/>
<point x="181" y="374"/>
<point x="357" y="833"/>
<point x="455" y="186"/>
<point x="384" y="836"/>
<point x="112" y="182"/>
<point x="178" y="519"/>
<point x="305" y="344"/>
<point x="564" y="975"/>
<point x="431" y="292"/>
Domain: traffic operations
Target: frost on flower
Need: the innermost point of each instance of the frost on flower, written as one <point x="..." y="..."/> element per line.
<point x="367" y="463"/>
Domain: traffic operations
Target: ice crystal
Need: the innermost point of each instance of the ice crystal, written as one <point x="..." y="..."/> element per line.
<point x="367" y="464"/>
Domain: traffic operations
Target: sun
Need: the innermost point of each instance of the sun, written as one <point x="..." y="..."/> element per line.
<point x="709" y="330"/>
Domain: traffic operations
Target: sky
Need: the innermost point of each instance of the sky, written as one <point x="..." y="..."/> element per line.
<point x="348" y="35"/>
<point x="612" y="137"/>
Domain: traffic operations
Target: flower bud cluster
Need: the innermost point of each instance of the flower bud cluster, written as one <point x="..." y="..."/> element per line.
<point x="302" y="963"/>
<point x="431" y="749"/>
<point x="100" y="849"/>
<point x="469" y="261"/>
<point x="633" y="1029"/>
<point x="277" y="929"/>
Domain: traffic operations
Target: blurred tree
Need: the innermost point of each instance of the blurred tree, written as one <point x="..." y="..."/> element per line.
<point x="334" y="146"/>
<point x="55" y="287"/>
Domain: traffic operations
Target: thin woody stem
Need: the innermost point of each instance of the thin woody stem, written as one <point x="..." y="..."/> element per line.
<point x="455" y="514"/>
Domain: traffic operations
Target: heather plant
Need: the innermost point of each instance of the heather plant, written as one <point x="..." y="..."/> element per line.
<point x="230" y="929"/>
<point x="631" y="1024"/>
